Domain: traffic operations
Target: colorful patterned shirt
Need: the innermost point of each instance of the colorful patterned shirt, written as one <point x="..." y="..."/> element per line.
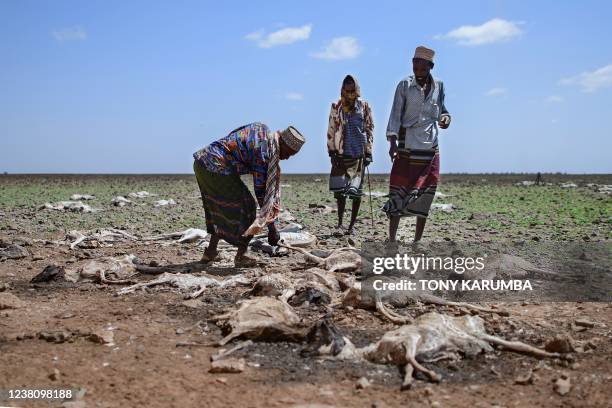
<point x="243" y="151"/>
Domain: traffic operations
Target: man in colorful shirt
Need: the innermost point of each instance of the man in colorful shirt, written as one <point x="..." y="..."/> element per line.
<point x="418" y="107"/>
<point x="229" y="207"/>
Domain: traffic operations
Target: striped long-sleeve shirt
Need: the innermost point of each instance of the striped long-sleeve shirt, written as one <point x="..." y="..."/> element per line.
<point x="417" y="113"/>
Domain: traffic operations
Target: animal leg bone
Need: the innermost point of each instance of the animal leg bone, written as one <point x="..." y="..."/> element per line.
<point x="434" y="300"/>
<point x="519" y="347"/>
<point x="431" y="374"/>
<point x="407" y="383"/>
<point x="225" y="353"/>
<point x="310" y="257"/>
<point x="390" y="315"/>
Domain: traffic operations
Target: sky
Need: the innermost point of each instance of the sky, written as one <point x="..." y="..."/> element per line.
<point x="138" y="86"/>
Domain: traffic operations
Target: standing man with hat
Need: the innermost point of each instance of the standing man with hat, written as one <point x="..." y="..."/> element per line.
<point x="418" y="109"/>
<point x="229" y="207"/>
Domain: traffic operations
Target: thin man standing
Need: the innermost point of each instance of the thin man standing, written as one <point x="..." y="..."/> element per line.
<point x="418" y="110"/>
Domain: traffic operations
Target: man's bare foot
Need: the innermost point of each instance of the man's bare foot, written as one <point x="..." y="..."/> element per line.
<point x="210" y="256"/>
<point x="339" y="231"/>
<point x="245" y="261"/>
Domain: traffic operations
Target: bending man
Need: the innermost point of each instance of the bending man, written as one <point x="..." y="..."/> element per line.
<point x="229" y="207"/>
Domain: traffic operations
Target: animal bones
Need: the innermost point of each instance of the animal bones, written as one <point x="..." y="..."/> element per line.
<point x="185" y="281"/>
<point x="187" y="236"/>
<point x="107" y="235"/>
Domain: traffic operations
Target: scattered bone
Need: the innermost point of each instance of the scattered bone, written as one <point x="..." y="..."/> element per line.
<point x="525" y="183"/>
<point x="10" y="301"/>
<point x="224" y="353"/>
<point x="568" y="185"/>
<point x="227" y="366"/>
<point x="78" y="197"/>
<point x="188" y="236"/>
<point x="141" y="194"/>
<point x="98" y="270"/>
<point x="562" y="385"/>
<point x="121" y="201"/>
<point x="163" y="203"/>
<point x="12" y="251"/>
<point x="106" y="236"/>
<point x="443" y="207"/>
<point x="187" y="282"/>
<point x="261" y="318"/>
<point x="74" y="206"/>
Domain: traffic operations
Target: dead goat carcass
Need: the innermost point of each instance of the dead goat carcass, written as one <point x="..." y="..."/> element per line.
<point x="73" y="206"/>
<point x="431" y="337"/>
<point x="99" y="270"/>
<point x="261" y="318"/>
<point x="339" y="260"/>
<point x="187" y="236"/>
<point x="121" y="201"/>
<point x="185" y="281"/>
<point x="101" y="236"/>
<point x="357" y="296"/>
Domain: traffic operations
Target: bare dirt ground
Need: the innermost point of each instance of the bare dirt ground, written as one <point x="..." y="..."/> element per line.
<point x="46" y="342"/>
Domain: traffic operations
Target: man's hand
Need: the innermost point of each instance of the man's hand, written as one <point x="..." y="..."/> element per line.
<point x="393" y="149"/>
<point x="273" y="235"/>
<point x="445" y="121"/>
<point x="367" y="160"/>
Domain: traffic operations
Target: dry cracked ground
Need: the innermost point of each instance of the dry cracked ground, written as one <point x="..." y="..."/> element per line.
<point x="153" y="347"/>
